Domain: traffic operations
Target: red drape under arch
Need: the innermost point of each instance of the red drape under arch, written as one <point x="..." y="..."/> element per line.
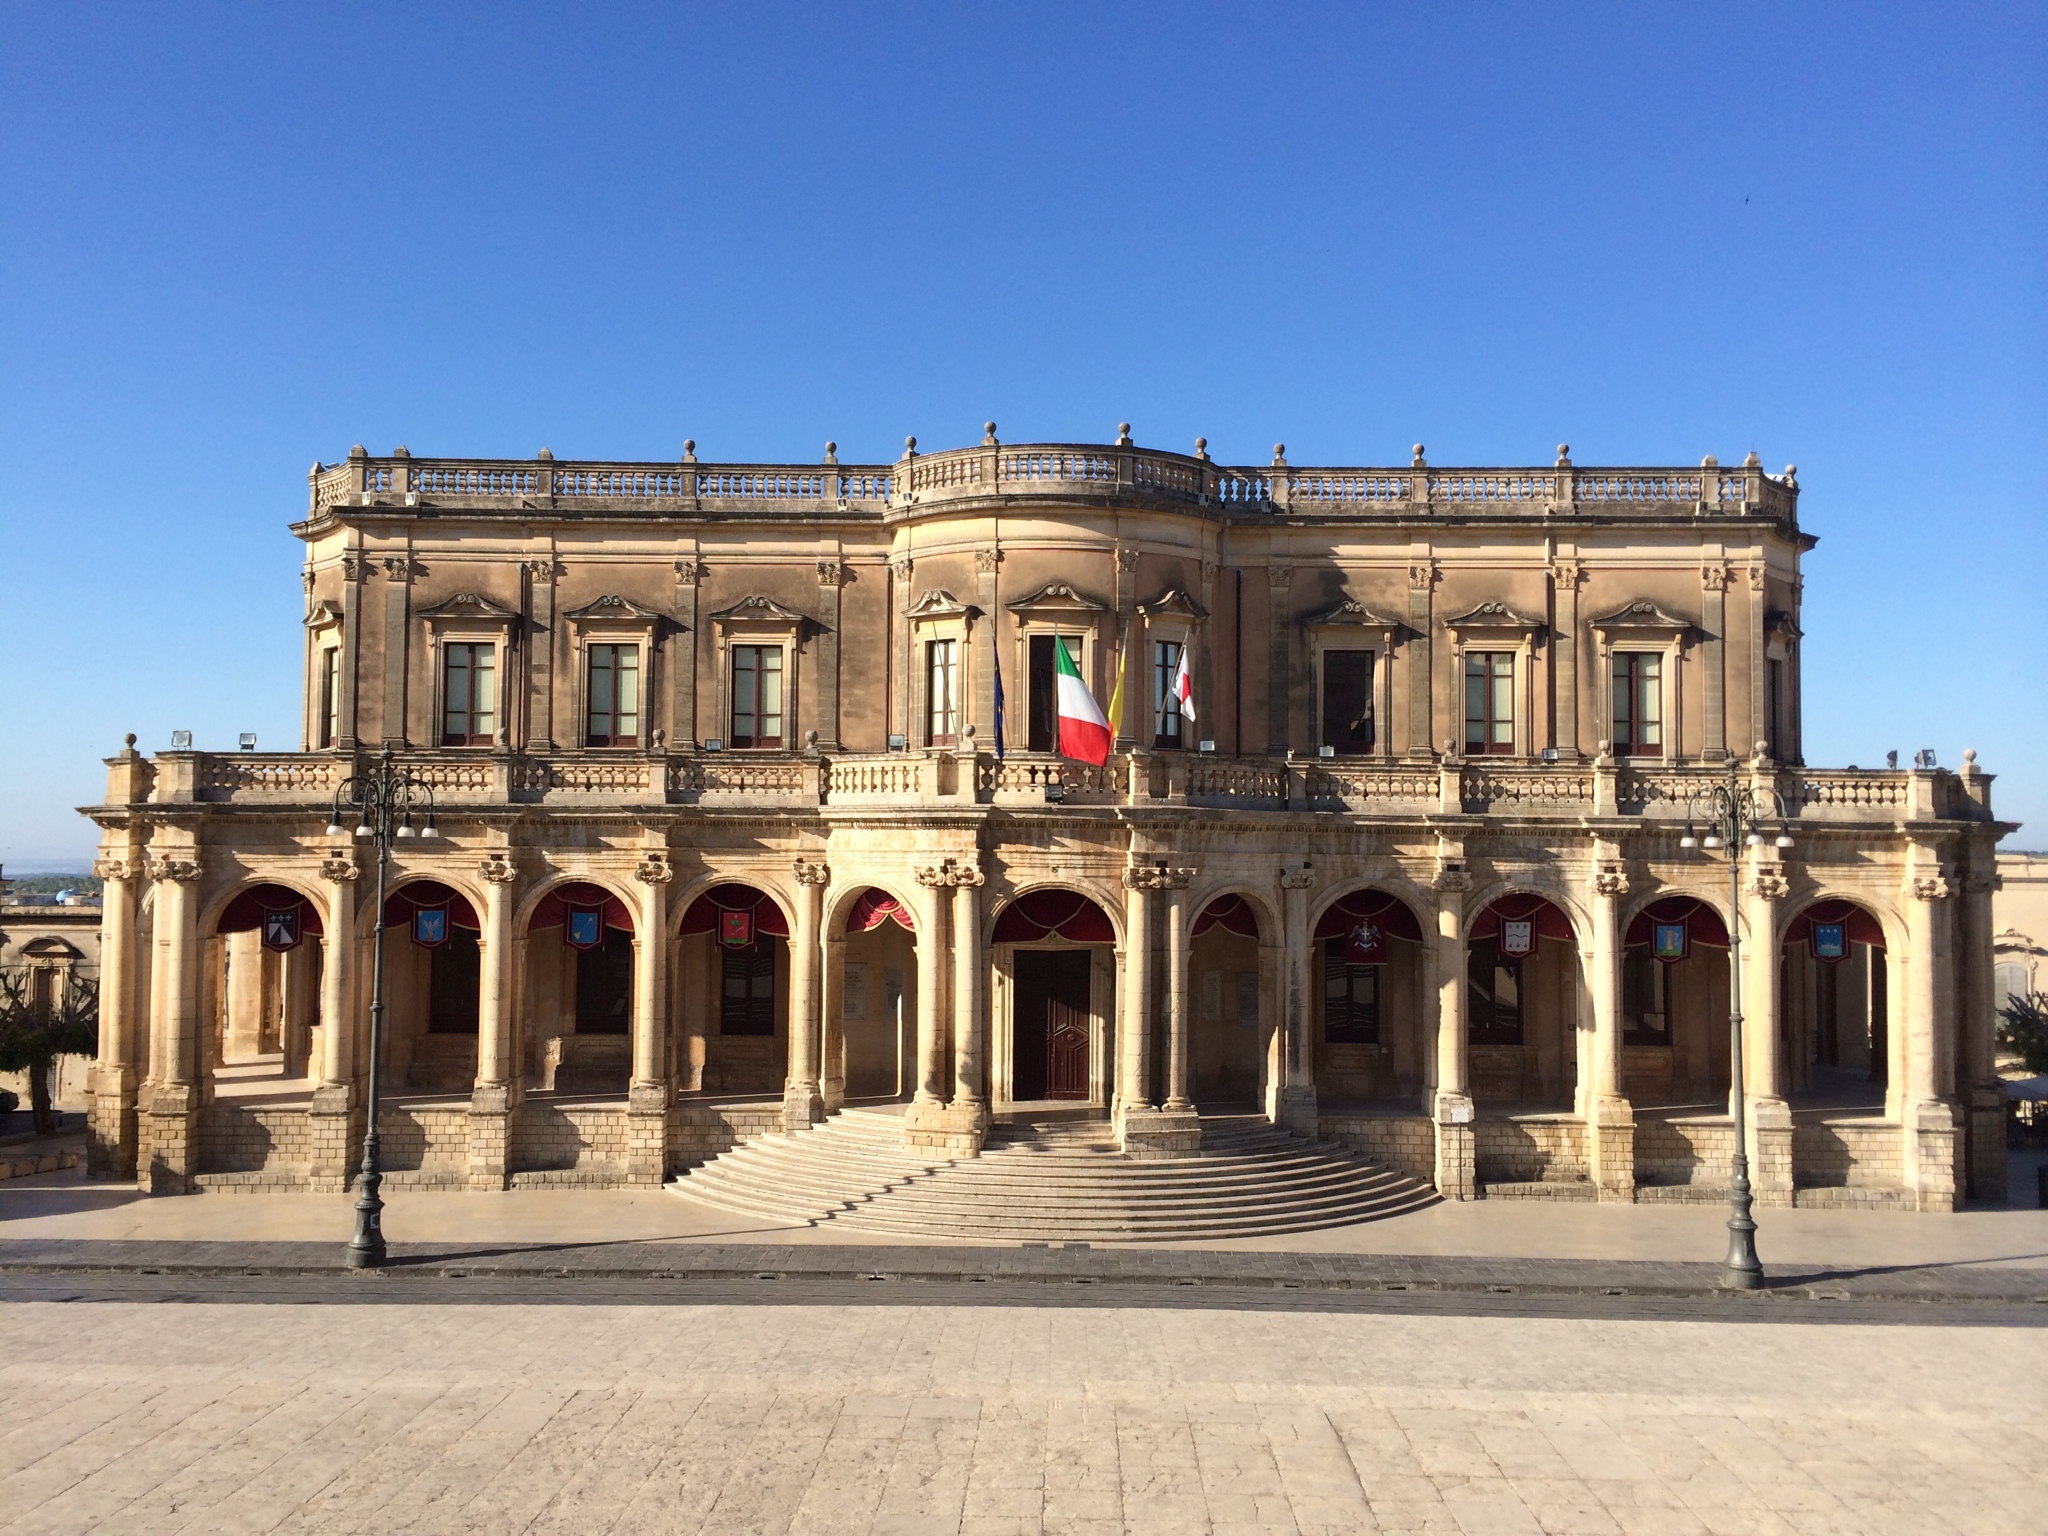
<point x="400" y="905"/>
<point x="1703" y="924"/>
<point x="1863" y="928"/>
<point x="874" y="907"/>
<point x="1233" y="914"/>
<point x="553" y="910"/>
<point x="1046" y="914"/>
<point x="1550" y="922"/>
<point x="1389" y="913"/>
<point x="703" y="914"/>
<point x="246" y="910"/>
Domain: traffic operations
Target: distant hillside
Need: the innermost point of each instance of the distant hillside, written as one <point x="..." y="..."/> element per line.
<point x="33" y="890"/>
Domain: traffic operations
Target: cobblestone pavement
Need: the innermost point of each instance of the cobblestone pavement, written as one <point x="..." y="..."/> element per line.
<point x="912" y="1418"/>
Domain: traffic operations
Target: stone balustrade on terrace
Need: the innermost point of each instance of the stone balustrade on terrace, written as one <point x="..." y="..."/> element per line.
<point x="1064" y="472"/>
<point x="1368" y="786"/>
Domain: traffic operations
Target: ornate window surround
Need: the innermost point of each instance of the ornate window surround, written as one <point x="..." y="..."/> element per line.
<point x="1350" y="625"/>
<point x="759" y="620"/>
<point x="1643" y="626"/>
<point x="469" y="618"/>
<point x="613" y="620"/>
<point x="1174" y="616"/>
<point x="938" y="615"/>
<point x="323" y="633"/>
<point x="1054" y="609"/>
<point x="1496" y="627"/>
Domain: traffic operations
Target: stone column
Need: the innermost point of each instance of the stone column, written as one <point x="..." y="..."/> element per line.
<point x="1134" y="1064"/>
<point x="492" y="1099"/>
<point x="970" y="1038"/>
<point x="1298" y="1092"/>
<point x="332" y="1118"/>
<point x="110" y="1137"/>
<point x="647" y="1096"/>
<point x="243" y="1037"/>
<point x="931" y="987"/>
<point x="1983" y="1093"/>
<point x="803" y="1105"/>
<point x="1172" y="1130"/>
<point x="1930" y="1129"/>
<point x="1610" y="1124"/>
<point x="168" y="1119"/>
<point x="1177" y="919"/>
<point x="1769" y="1116"/>
<point x="1455" y="1165"/>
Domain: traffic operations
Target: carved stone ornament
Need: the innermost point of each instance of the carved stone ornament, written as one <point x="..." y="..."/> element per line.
<point x="544" y="569"/>
<point x="1177" y="879"/>
<point x="811" y="874"/>
<point x="171" y="867"/>
<point x="1770" y="885"/>
<point x="1056" y="597"/>
<point x="901" y="569"/>
<point x="1714" y="578"/>
<point x="398" y="568"/>
<point x="1757" y="573"/>
<point x="689" y="572"/>
<point x="1126" y="558"/>
<point x="934" y="875"/>
<point x="986" y="561"/>
<point x="831" y="573"/>
<point x="1423" y="577"/>
<point x="654" y="869"/>
<point x="1931" y="887"/>
<point x="1984" y="885"/>
<point x="498" y="869"/>
<point x="108" y="867"/>
<point x="1566" y="575"/>
<point x="352" y="567"/>
<point x="1453" y="880"/>
<point x="1610" y="880"/>
<point x="1297" y="879"/>
<point x="338" y="868"/>
<point x="1280" y="577"/>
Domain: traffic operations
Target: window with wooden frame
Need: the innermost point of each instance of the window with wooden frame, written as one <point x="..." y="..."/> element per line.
<point x="1348" y="727"/>
<point x="1774" y="704"/>
<point x="612" y="696"/>
<point x="1169" y="725"/>
<point x="330" y="695"/>
<point x="1638" y="703"/>
<point x="746" y="997"/>
<point x="1043" y="729"/>
<point x="469" y="693"/>
<point x="1490" y="702"/>
<point x="1493" y="994"/>
<point x="942" y="692"/>
<point x="757" y="678"/>
<point x="1351" y="997"/>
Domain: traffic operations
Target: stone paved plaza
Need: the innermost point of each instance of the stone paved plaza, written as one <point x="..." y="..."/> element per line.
<point x="850" y="1418"/>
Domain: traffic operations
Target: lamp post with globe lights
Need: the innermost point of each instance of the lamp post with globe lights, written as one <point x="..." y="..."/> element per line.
<point x="384" y="801"/>
<point x="1733" y="814"/>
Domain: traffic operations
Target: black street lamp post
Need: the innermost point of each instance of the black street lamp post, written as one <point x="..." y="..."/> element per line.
<point x="384" y="800"/>
<point x="1731" y="812"/>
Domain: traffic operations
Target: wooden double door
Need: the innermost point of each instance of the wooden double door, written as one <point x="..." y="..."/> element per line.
<point x="1049" y="1025"/>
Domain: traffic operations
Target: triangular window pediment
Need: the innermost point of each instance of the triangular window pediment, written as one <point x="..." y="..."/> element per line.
<point x="1176" y="604"/>
<point x="937" y="604"/>
<point x="1351" y="611"/>
<point x="1643" y="614"/>
<point x="1494" y="616"/>
<point x="613" y="608"/>
<point x="325" y="615"/>
<point x="758" y="610"/>
<point x="1057" y="597"/>
<point x="469" y="605"/>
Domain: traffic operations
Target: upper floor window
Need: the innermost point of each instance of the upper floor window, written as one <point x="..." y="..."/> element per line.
<point x="1638" y="704"/>
<point x="1166" y="656"/>
<point x="1351" y="997"/>
<point x="330" y="695"/>
<point x="1490" y="701"/>
<point x="469" y="694"/>
<point x="1774" y="701"/>
<point x="613" y="716"/>
<point x="1043" y="734"/>
<point x="1493" y="994"/>
<point x="942" y="692"/>
<point x="757" y="696"/>
<point x="1347" y="702"/>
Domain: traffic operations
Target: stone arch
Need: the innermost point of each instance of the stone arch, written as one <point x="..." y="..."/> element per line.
<point x="1524" y="1013"/>
<point x="840" y="901"/>
<point x="872" y="977"/>
<point x="251" y="880"/>
<point x="258" y="999"/>
<point x="730" y="1004"/>
<point x="1673" y="1006"/>
<point x="1840" y="1035"/>
<point x="1053" y="993"/>
<point x="777" y="891"/>
<point x="1006" y="896"/>
<point x="576" y="999"/>
<point x="1559" y="896"/>
<point x="531" y="898"/>
<point x="1233" y="1007"/>
<point x="1369" y="1009"/>
<point x="433" y="984"/>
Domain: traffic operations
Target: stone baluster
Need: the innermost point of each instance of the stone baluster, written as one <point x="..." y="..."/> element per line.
<point x="803" y="1104"/>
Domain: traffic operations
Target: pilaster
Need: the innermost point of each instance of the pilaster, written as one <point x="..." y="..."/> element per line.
<point x="683" y="673"/>
<point x="831" y="583"/>
<point x="169" y="1103"/>
<point x="1419" y="653"/>
<point x="1565" y="577"/>
<point x="1714" y="658"/>
<point x="397" y="634"/>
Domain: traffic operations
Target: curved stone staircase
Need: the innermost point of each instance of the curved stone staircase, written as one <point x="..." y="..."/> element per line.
<point x="1052" y="1181"/>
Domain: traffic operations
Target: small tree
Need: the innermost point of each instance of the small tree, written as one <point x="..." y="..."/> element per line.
<point x="35" y="1031"/>
<point x="2023" y="1029"/>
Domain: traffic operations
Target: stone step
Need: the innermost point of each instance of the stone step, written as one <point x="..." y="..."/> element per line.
<point x="1581" y="1190"/>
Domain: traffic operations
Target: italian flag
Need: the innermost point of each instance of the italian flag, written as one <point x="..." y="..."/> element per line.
<point x="1084" y="729"/>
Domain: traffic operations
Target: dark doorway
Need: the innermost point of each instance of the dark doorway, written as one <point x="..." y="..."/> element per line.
<point x="604" y="985"/>
<point x="1049" y="1025"/>
<point x="457" y="974"/>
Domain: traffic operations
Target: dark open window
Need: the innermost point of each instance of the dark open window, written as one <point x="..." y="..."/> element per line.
<point x="330" y="696"/>
<point x="1347" y="702"/>
<point x="1165" y="701"/>
<point x="942" y="692"/>
<point x="1638" y="704"/>
<point x="1774" y="701"/>
<point x="1493" y="996"/>
<point x="757" y="696"/>
<point x="1044" y="728"/>
<point x="613" y="713"/>
<point x="746" y="999"/>
<point x="457" y="971"/>
<point x="1490" y="701"/>
<point x="469" y="694"/>
<point x="1351" y="997"/>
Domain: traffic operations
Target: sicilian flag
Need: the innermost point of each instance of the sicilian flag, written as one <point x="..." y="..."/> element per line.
<point x="1084" y="730"/>
<point x="1184" y="686"/>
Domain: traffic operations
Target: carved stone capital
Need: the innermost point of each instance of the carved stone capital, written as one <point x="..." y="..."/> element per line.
<point x="1610" y="880"/>
<point x="1126" y="558"/>
<point x="933" y="875"/>
<point x="1455" y="881"/>
<point x="967" y="875"/>
<point x="1280" y="577"/>
<point x="1770" y="885"/>
<point x="338" y="869"/>
<point x="108" y="867"/>
<point x="1714" y="578"/>
<point x="1757" y="573"/>
<point x="1566" y="575"/>
<point x="831" y="573"/>
<point x="541" y="570"/>
<point x="1931" y="887"/>
<point x="1984" y="885"/>
<point x="901" y="569"/>
<point x="654" y="869"/>
<point x="1424" y="576"/>
<point x="689" y="572"/>
<point x="498" y="869"/>
<point x="986" y="561"/>
<point x="808" y="873"/>
<point x="352" y="567"/>
<point x="397" y="568"/>
<point x="174" y="868"/>
<point x="1297" y="879"/>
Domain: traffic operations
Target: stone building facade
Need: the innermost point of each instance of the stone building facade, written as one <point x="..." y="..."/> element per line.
<point x="747" y="808"/>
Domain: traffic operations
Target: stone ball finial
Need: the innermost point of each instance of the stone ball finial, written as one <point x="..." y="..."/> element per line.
<point x="128" y="741"/>
<point x="1752" y="462"/>
<point x="546" y="453"/>
<point x="1201" y="448"/>
<point x="1564" y="454"/>
<point x="1710" y="462"/>
<point x="1419" y="460"/>
<point x="689" y="447"/>
<point x="910" y="444"/>
<point x="831" y="453"/>
<point x="1791" y="474"/>
<point x="967" y="730"/>
<point x="988" y="434"/>
<point x="1279" y="453"/>
<point x="1123" y="434"/>
<point x="1969" y="755"/>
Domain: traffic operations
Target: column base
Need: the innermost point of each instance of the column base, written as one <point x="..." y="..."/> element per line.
<point x="957" y="1129"/>
<point x="490" y="1134"/>
<point x="803" y="1106"/>
<point x="647" y="1134"/>
<point x="1456" y="1153"/>
<point x="167" y="1133"/>
<point x="1160" y="1133"/>
<point x="1930" y="1154"/>
<point x="111" y="1131"/>
<point x="1296" y="1111"/>
<point x="1611" y="1151"/>
<point x="1770" y="1153"/>
<point x="337" y="1138"/>
<point x="1984" y="1151"/>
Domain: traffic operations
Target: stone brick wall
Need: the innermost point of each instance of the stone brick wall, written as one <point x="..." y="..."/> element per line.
<point x="423" y="1140"/>
<point x="1846" y="1154"/>
<point x="699" y="1132"/>
<point x="1688" y="1150"/>
<point x="1530" y="1149"/>
<point x="237" y="1138"/>
<point x="1404" y="1143"/>
<point x="554" y="1137"/>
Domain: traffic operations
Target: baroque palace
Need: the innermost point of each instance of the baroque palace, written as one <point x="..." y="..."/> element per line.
<point x="750" y="820"/>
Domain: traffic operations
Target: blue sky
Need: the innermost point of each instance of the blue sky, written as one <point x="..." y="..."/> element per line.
<point x="234" y="240"/>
